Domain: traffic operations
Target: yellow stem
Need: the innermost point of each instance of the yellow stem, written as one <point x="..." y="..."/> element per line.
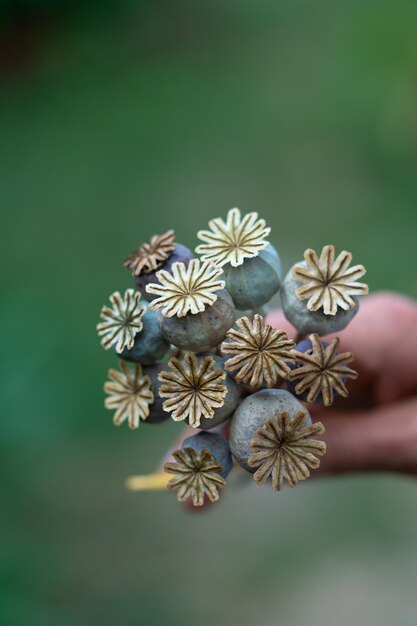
<point x="148" y="482"/>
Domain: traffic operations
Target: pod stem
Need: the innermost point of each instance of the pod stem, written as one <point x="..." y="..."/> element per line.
<point x="158" y="481"/>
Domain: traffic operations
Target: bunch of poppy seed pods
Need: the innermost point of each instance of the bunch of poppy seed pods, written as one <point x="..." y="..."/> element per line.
<point x="195" y="347"/>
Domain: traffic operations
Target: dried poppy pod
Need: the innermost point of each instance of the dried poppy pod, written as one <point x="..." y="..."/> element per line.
<point x="232" y="399"/>
<point x="203" y="331"/>
<point x="192" y="388"/>
<point x="196" y="310"/>
<point x="259" y="353"/>
<point x="200" y="468"/>
<point x="181" y="254"/>
<point x="216" y="444"/>
<point x="320" y="372"/>
<point x="251" y="265"/>
<point x="129" y="394"/>
<point x="160" y="253"/>
<point x="252" y="413"/>
<point x="122" y="321"/>
<point x="149" y="344"/>
<point x="284" y="448"/>
<point x="320" y="295"/>
<point x="271" y="435"/>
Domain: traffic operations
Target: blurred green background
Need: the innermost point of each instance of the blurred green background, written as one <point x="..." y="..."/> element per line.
<point x="124" y="120"/>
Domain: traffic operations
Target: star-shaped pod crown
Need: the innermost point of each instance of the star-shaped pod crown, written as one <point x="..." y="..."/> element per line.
<point x="193" y="388"/>
<point x="151" y="255"/>
<point x="196" y="476"/>
<point x="234" y="240"/>
<point x="260" y="352"/>
<point x="329" y="283"/>
<point x="188" y="289"/>
<point x="122" y="321"/>
<point x="284" y="448"/>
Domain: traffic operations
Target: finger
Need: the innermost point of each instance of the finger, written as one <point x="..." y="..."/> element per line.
<point x="383" y="439"/>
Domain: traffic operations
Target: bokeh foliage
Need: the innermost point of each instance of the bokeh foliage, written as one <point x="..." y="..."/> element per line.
<point x="128" y="120"/>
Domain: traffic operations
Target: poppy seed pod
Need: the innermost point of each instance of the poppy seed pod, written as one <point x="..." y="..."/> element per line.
<point x="256" y="280"/>
<point x="304" y="347"/>
<point x="306" y="321"/>
<point x="232" y="399"/>
<point x="252" y="414"/>
<point x="320" y="371"/>
<point x="150" y="345"/>
<point x="215" y="444"/>
<point x="180" y="254"/>
<point x="319" y="294"/>
<point x="201" y="331"/>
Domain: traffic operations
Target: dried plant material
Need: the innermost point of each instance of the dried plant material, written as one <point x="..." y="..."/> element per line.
<point x="130" y="393"/>
<point x="322" y="371"/>
<point x="151" y="255"/>
<point x="284" y="448"/>
<point x="194" y="389"/>
<point x="234" y="240"/>
<point x="329" y="282"/>
<point x="122" y="322"/>
<point x="260" y="352"/>
<point x="187" y="289"/>
<point x="196" y="475"/>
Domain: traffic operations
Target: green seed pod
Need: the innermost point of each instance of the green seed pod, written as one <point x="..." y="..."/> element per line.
<point x="252" y="414"/>
<point x="253" y="283"/>
<point x="150" y="345"/>
<point x="201" y="332"/>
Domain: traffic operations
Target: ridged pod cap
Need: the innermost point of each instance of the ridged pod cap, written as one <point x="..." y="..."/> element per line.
<point x="252" y="414"/>
<point x="233" y="397"/>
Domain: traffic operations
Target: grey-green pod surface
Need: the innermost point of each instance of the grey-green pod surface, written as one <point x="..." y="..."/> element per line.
<point x="150" y="345"/>
<point x="306" y="321"/>
<point x="252" y="413"/>
<point x="202" y="331"/>
<point x="232" y="399"/>
<point x="253" y="283"/>
<point x="214" y="443"/>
